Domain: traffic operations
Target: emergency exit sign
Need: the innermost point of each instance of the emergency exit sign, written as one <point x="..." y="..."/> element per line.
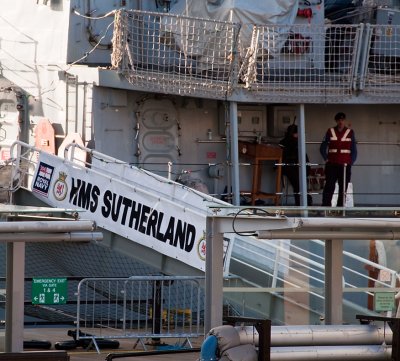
<point x="49" y="291"/>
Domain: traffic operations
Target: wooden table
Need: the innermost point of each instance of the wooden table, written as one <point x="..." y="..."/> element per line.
<point x="258" y="153"/>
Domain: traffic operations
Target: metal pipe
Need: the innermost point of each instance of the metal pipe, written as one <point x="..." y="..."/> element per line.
<point x="76" y="102"/>
<point x="344" y="195"/>
<point x="51" y="237"/>
<point x="360" y="143"/>
<point x="169" y="170"/>
<point x="66" y="104"/>
<point x="302" y="158"/>
<point x="214" y="280"/>
<point x="233" y="115"/>
<point x="47" y="226"/>
<point x="328" y="353"/>
<point x="112" y="356"/>
<point x="359" y="51"/>
<point x="15" y="271"/>
<point x="320" y="335"/>
<point x="84" y="106"/>
<point x="322" y="222"/>
<point x="298" y="225"/>
<point x="333" y="285"/>
<point x="316" y="234"/>
<point x="365" y="48"/>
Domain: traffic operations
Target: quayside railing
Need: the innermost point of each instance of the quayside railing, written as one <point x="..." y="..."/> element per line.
<point x="142" y="308"/>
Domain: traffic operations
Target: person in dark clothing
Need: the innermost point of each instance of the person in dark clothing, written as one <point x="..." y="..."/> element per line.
<point x="339" y="150"/>
<point x="290" y="159"/>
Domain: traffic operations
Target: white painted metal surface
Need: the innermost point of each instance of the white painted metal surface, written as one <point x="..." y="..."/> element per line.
<point x="313" y="335"/>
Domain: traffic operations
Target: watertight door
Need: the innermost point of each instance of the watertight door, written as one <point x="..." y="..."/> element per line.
<point x="157" y="142"/>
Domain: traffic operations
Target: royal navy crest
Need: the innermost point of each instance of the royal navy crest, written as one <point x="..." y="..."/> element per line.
<point x="201" y="247"/>
<point x="60" y="188"/>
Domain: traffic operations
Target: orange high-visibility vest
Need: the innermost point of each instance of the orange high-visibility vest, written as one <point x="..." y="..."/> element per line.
<point x="340" y="146"/>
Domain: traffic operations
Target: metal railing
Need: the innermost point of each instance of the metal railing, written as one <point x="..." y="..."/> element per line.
<point x="316" y="61"/>
<point x="175" y="54"/>
<point x="183" y="55"/>
<point x="381" y="67"/>
<point x="300" y="270"/>
<point x="141" y="308"/>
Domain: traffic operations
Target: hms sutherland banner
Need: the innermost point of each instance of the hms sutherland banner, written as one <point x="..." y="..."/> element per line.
<point x="145" y="218"/>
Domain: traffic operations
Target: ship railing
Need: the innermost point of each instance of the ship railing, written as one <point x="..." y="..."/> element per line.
<point x="363" y="190"/>
<point x="23" y="160"/>
<point x="175" y="54"/>
<point x="143" y="308"/>
<point x="318" y="61"/>
<point x="182" y="55"/>
<point x="380" y="75"/>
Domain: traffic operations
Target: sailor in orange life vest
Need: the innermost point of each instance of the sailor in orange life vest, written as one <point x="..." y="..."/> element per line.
<point x="339" y="150"/>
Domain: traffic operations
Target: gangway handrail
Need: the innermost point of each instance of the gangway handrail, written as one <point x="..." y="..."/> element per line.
<point x="321" y="265"/>
<point x="367" y="261"/>
<point x="69" y="154"/>
<point x="295" y="255"/>
<point x="148" y="193"/>
<point x="314" y="266"/>
<point x="395" y="275"/>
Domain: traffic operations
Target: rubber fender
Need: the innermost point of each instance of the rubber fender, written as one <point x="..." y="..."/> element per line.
<point x="37" y="344"/>
<point x="73" y="334"/>
<point x="101" y="343"/>
<point x="208" y="351"/>
<point x="65" y="345"/>
<point x="85" y="343"/>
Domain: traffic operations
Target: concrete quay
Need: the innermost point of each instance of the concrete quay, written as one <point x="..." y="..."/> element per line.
<point x="54" y="335"/>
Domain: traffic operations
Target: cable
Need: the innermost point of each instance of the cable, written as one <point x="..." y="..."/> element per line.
<point x="254" y="211"/>
<point x="93" y="49"/>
